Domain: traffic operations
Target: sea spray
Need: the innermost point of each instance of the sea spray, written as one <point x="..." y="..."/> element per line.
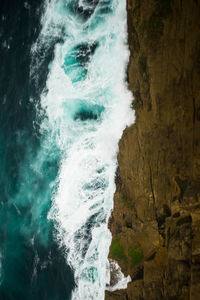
<point x="86" y="106"/>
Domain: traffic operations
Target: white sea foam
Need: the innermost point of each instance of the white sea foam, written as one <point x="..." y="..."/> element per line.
<point x="86" y="117"/>
<point x="119" y="281"/>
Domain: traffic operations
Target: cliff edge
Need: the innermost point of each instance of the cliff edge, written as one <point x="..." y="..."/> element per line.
<point x="156" y="219"/>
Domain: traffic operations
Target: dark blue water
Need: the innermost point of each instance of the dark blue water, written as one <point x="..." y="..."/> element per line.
<point x="32" y="266"/>
<point x="63" y="106"/>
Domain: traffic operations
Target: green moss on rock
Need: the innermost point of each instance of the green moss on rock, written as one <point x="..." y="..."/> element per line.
<point x="116" y="250"/>
<point x="136" y="255"/>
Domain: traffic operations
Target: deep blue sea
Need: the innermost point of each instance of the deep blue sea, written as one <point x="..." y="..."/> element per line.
<point x="63" y="106"/>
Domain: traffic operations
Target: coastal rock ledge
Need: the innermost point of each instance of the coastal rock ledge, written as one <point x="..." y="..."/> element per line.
<point x="156" y="219"/>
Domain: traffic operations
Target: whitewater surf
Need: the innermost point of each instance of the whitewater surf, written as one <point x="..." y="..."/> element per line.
<point x="87" y="106"/>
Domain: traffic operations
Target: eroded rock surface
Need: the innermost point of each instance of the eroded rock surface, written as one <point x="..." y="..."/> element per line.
<point x="156" y="218"/>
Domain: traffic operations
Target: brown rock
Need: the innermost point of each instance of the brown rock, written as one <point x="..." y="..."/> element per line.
<point x="157" y="200"/>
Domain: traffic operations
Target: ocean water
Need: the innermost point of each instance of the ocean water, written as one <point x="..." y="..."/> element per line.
<point x="64" y="105"/>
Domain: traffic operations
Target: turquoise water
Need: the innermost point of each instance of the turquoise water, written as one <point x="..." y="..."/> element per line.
<point x="64" y="106"/>
<point x="32" y="265"/>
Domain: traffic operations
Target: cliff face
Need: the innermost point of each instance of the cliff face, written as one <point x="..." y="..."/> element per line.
<point x="156" y="218"/>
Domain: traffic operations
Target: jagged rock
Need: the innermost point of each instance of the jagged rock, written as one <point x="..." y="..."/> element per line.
<point x="156" y="216"/>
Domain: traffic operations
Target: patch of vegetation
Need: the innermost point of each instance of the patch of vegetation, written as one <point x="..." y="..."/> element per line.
<point x="184" y="220"/>
<point x="136" y="256"/>
<point x="116" y="250"/>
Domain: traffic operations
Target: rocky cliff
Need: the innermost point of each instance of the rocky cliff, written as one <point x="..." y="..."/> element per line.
<point x="156" y="219"/>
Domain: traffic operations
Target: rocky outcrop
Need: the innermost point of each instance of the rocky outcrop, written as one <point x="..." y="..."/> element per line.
<point x="156" y="219"/>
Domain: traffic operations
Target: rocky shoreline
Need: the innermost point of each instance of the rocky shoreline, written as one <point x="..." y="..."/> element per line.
<point x="156" y="219"/>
